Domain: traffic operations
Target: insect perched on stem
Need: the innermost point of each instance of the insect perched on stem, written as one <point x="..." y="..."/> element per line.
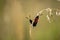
<point x="35" y="21"/>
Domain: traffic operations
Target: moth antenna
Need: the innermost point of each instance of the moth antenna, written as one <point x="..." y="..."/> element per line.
<point x="26" y="17"/>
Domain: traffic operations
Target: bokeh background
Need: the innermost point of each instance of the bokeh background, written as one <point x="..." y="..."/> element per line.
<point x="14" y="25"/>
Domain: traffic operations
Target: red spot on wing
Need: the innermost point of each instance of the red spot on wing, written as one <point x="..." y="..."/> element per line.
<point x="36" y="20"/>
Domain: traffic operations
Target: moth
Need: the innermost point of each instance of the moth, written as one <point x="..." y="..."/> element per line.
<point x="35" y="21"/>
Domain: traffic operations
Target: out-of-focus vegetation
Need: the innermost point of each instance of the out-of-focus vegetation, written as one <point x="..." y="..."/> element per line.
<point x="14" y="25"/>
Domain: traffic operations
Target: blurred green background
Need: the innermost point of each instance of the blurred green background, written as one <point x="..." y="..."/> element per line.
<point x="14" y="25"/>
